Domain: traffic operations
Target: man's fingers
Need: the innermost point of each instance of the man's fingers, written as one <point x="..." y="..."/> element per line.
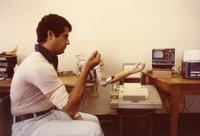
<point x="93" y="55"/>
<point x="98" y="57"/>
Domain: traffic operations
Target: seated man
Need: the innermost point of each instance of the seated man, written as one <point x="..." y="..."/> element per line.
<point x="36" y="88"/>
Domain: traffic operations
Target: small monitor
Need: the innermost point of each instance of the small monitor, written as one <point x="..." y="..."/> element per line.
<point x="163" y="58"/>
<point x="158" y="54"/>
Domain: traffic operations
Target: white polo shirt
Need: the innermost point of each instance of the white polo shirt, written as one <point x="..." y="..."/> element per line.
<point x="33" y="78"/>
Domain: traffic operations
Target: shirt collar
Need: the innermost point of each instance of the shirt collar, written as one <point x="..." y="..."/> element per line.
<point x="51" y="58"/>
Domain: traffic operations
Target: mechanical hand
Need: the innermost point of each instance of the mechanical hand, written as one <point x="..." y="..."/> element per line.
<point x="123" y="74"/>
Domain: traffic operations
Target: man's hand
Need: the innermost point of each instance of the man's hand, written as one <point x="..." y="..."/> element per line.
<point x="93" y="60"/>
<point x="78" y="116"/>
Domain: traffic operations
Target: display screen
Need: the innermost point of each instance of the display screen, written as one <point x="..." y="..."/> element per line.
<point x="158" y="54"/>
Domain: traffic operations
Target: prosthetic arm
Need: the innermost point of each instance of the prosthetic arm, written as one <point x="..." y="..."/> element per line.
<point x="123" y="74"/>
<point x="97" y="72"/>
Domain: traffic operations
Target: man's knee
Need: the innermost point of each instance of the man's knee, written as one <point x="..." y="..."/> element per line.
<point x="94" y="119"/>
<point x="93" y="129"/>
<point x="89" y="117"/>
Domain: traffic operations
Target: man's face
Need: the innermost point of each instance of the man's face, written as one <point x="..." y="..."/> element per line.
<point x="60" y="42"/>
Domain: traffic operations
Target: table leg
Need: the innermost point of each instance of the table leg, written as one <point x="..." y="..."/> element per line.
<point x="174" y="101"/>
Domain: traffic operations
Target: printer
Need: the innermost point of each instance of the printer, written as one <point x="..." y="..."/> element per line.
<point x="135" y="96"/>
<point x="191" y="64"/>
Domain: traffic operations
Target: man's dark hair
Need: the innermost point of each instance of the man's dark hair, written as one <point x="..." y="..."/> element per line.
<point x="51" y="22"/>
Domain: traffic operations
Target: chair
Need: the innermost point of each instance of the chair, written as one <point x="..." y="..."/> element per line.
<point x="5" y="116"/>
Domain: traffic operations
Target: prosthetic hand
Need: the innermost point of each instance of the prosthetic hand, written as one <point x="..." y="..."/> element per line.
<point x="123" y="74"/>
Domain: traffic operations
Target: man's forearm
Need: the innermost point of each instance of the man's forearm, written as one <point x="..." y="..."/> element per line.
<point x="76" y="94"/>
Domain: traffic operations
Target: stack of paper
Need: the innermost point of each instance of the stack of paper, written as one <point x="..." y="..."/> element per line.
<point x="133" y="92"/>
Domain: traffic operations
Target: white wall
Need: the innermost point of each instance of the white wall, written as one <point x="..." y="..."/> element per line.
<point x="122" y="30"/>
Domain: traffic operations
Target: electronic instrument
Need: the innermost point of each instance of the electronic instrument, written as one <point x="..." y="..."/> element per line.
<point x="191" y="69"/>
<point x="191" y="64"/>
<point x="163" y="58"/>
<point x="7" y="64"/>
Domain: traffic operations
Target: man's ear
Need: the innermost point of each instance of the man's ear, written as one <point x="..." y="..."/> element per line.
<point x="50" y="34"/>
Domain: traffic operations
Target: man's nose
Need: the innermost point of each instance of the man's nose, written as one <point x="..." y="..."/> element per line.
<point x="67" y="43"/>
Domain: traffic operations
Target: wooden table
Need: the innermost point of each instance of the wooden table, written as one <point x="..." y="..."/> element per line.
<point x="68" y="80"/>
<point x="175" y="87"/>
<point x="141" y="111"/>
<point x="5" y="86"/>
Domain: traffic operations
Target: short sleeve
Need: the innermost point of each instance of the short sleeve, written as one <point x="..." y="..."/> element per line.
<point x="43" y="76"/>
